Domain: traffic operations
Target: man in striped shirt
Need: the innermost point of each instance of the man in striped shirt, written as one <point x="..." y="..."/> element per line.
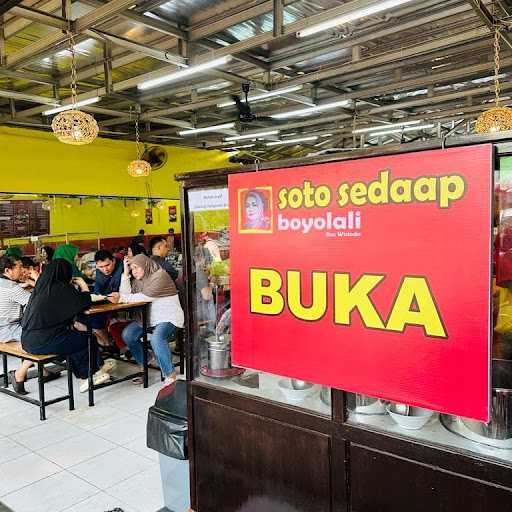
<point x="13" y="298"/>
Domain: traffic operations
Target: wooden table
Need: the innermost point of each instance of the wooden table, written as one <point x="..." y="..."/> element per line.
<point x="103" y="308"/>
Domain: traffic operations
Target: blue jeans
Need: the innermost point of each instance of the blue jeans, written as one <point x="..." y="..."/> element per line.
<point x="132" y="334"/>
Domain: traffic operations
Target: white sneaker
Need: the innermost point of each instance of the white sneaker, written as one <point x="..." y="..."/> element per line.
<point x="98" y="378"/>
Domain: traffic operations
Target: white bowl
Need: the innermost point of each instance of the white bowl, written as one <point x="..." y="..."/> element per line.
<point x="295" y="395"/>
<point x="417" y="418"/>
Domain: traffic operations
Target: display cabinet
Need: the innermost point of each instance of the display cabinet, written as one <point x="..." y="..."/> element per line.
<point x="209" y="246"/>
<point x="277" y="444"/>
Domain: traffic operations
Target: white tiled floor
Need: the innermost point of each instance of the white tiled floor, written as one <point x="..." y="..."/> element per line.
<point x="87" y="460"/>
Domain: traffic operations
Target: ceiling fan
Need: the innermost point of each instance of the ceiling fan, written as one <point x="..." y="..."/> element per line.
<point x="245" y="114"/>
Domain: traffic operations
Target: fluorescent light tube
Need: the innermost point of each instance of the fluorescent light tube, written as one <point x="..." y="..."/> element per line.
<point x="311" y="110"/>
<point x="398" y="130"/>
<point x="292" y="141"/>
<point x="375" y="8"/>
<point x="213" y="128"/>
<point x="192" y="70"/>
<point x="265" y="95"/>
<point x="70" y="106"/>
<point x="385" y="127"/>
<point x="236" y="148"/>
<point x="254" y="135"/>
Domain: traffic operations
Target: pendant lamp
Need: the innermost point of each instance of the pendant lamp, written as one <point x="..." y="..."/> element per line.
<point x="73" y="126"/>
<point x="138" y="168"/>
<point x="497" y="118"/>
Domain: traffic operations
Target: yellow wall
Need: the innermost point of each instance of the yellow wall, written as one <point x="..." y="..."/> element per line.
<point x="113" y="219"/>
<point x="34" y="161"/>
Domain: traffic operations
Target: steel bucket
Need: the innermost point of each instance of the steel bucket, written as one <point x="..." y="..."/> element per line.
<point x="219" y="358"/>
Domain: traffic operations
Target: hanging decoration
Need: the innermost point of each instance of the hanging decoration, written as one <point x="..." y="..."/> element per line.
<point x="497" y="118"/>
<point x="138" y="168"/>
<point x="73" y="126"/>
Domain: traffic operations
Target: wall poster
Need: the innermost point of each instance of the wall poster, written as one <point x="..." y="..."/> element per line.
<point x="23" y="218"/>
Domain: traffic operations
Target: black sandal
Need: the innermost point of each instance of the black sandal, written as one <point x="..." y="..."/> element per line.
<point x="51" y="375"/>
<point x="19" y="387"/>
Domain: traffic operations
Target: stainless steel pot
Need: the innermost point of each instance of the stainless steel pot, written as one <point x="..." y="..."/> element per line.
<point x="223" y="341"/>
<point x="500" y="424"/>
<point x="362" y="404"/>
<point x="219" y="358"/>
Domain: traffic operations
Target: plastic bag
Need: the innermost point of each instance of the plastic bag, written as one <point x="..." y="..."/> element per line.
<point x="167" y="423"/>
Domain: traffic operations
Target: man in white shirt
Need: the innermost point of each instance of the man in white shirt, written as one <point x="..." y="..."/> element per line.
<point x="13" y="298"/>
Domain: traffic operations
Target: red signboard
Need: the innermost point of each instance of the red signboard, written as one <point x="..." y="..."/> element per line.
<point x="370" y="275"/>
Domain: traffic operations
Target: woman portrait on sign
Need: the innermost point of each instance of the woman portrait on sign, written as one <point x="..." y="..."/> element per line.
<point x="256" y="209"/>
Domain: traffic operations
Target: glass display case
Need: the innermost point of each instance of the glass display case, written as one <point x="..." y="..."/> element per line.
<point x="210" y="249"/>
<point x="492" y="439"/>
<point x="243" y="422"/>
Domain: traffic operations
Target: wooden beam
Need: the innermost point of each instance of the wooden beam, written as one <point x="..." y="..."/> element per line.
<point x="489" y="20"/>
<point x="278" y="18"/>
<point x="41" y="17"/>
<point x="54" y="39"/>
<point x="6" y="5"/>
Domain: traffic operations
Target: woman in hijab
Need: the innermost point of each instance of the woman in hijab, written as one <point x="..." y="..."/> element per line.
<point x="69" y="253"/>
<point x="153" y="284"/>
<point x="49" y="316"/>
<point x="255" y="211"/>
<point x="14" y="251"/>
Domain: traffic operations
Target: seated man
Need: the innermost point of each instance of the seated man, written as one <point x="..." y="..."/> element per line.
<point x="108" y="273"/>
<point x="159" y="250"/>
<point x="13" y="298"/>
<point x="28" y="266"/>
<point x="108" y="280"/>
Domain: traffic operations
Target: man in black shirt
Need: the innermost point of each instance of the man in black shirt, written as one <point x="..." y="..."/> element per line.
<point x="159" y="250"/>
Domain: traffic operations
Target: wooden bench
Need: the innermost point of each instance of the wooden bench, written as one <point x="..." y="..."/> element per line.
<point x="14" y="349"/>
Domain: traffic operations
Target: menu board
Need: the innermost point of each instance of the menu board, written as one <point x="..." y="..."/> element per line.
<point x="23" y="218"/>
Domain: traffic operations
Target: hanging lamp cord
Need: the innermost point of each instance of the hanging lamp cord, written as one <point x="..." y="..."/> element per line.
<point x="497" y="64"/>
<point x="73" y="69"/>
<point x="137" y="136"/>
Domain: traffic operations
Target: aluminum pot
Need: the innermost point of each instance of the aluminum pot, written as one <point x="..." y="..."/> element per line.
<point x="362" y="404"/>
<point x="500" y="424"/>
<point x="223" y="341"/>
<point x="219" y="358"/>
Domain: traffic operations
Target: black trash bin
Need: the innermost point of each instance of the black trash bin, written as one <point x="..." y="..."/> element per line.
<point x="167" y="431"/>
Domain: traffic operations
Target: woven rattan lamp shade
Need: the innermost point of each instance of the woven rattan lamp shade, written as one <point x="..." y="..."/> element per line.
<point x="139" y="168"/>
<point x="75" y="127"/>
<point x="496" y="119"/>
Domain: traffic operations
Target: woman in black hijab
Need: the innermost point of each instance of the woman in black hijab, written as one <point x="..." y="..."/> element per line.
<point x="49" y="316"/>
